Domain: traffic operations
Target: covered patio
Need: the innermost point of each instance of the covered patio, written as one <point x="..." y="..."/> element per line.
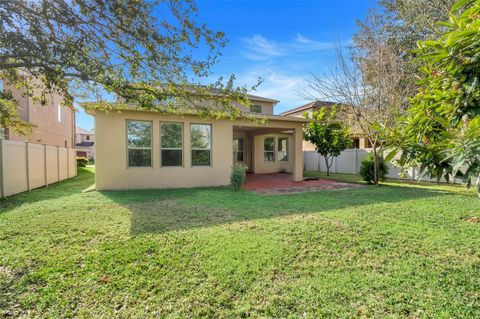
<point x="282" y="183"/>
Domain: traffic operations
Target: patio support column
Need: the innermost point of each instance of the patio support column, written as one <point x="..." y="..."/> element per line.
<point x="297" y="154"/>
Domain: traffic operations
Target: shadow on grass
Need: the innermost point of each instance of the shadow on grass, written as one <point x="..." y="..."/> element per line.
<point x="159" y="211"/>
<point x="85" y="178"/>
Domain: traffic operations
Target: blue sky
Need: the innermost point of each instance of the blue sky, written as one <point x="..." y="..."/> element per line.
<point x="282" y="42"/>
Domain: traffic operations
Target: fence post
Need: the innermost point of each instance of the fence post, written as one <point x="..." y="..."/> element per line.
<point x="2" y="179"/>
<point x="46" y="164"/>
<point x="27" y="166"/>
<point x="68" y="163"/>
<point x="58" y="163"/>
<point x="355" y="159"/>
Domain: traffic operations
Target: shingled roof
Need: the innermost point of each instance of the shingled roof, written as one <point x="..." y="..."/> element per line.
<point x="311" y="105"/>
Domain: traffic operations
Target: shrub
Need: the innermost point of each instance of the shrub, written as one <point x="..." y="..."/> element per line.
<point x="82" y="161"/>
<point x="367" y="169"/>
<point x="238" y="176"/>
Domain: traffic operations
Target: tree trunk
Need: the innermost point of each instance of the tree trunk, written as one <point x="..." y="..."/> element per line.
<point x="375" y="166"/>
<point x="326" y="164"/>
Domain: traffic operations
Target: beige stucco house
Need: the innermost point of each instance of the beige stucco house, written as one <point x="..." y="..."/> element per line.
<point x="53" y="124"/>
<point x="141" y="149"/>
<point x="85" y="143"/>
<point x="359" y="141"/>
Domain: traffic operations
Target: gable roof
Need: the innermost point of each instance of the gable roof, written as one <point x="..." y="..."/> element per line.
<point x="311" y="105"/>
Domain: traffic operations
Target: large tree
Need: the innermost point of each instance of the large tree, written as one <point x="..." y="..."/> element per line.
<point x="151" y="53"/>
<point x="364" y="89"/>
<point x="441" y="132"/>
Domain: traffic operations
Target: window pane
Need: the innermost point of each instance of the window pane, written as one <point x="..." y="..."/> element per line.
<point x="201" y="136"/>
<point x="239" y="156"/>
<point x="256" y="109"/>
<point x="238" y="144"/>
<point x="171" y="135"/>
<point x="200" y="158"/>
<point x="282" y="149"/>
<point x="139" y="157"/>
<point x="172" y="157"/>
<point x="268" y="157"/>
<point x="269" y="144"/>
<point x="139" y="134"/>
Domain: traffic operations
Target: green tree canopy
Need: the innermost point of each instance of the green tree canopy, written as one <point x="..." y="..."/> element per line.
<point x="441" y="131"/>
<point x="327" y="133"/>
<point x="149" y="53"/>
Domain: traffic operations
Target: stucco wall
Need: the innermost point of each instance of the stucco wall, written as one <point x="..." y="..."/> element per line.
<point x="46" y="127"/>
<point x="261" y="166"/>
<point x="111" y="153"/>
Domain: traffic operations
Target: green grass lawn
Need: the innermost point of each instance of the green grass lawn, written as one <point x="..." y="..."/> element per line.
<point x="400" y="250"/>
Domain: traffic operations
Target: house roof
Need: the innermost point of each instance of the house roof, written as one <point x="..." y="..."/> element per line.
<point x="85" y="144"/>
<point x="311" y="105"/>
<point x="79" y="130"/>
<point x="262" y="99"/>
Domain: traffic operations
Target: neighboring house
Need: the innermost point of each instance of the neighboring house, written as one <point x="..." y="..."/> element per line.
<point x="141" y="149"/>
<point x="358" y="140"/>
<point x="53" y="124"/>
<point x="85" y="143"/>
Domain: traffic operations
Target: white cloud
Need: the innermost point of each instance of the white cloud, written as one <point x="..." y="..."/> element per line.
<point x="277" y="85"/>
<point x="259" y="48"/>
<point x="305" y="44"/>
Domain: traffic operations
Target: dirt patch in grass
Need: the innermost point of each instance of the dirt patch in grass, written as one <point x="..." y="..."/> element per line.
<point x="306" y="189"/>
<point x="473" y="220"/>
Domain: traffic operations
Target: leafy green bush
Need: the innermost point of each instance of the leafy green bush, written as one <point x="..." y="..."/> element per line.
<point x="367" y="169"/>
<point x="82" y="161"/>
<point x="238" y="176"/>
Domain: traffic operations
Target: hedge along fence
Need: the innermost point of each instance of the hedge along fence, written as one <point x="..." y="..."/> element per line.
<point x="350" y="161"/>
<point x="25" y="166"/>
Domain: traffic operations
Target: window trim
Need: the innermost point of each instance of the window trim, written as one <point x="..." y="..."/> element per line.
<point x="152" y="156"/>
<point x="168" y="148"/>
<point x="286" y="150"/>
<point x="199" y="149"/>
<point x="242" y="151"/>
<point x="260" y="111"/>
<point x="274" y="147"/>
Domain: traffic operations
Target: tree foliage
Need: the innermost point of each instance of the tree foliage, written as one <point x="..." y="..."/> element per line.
<point x="441" y="131"/>
<point x="147" y="53"/>
<point x="327" y="133"/>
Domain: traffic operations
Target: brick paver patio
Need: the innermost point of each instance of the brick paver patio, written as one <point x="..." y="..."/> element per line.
<point x="282" y="183"/>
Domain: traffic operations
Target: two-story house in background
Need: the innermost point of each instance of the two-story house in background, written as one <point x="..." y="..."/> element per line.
<point x="85" y="143"/>
<point x="358" y="139"/>
<point x="53" y="124"/>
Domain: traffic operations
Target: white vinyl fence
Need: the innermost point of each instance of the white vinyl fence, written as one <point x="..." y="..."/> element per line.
<point x="25" y="166"/>
<point x="349" y="162"/>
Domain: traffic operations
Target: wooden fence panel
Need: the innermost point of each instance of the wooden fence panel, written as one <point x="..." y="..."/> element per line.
<point x="36" y="165"/>
<point x="14" y="167"/>
<point x="62" y="163"/>
<point x="25" y="166"/>
<point x="52" y="164"/>
<point x="350" y="161"/>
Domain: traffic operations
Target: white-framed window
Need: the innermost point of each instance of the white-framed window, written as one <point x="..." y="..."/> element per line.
<point x="171" y="144"/>
<point x="282" y="154"/>
<point x="256" y="108"/>
<point x="139" y="143"/>
<point x="238" y="149"/>
<point x="269" y="149"/>
<point x="59" y="113"/>
<point x="201" y="144"/>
